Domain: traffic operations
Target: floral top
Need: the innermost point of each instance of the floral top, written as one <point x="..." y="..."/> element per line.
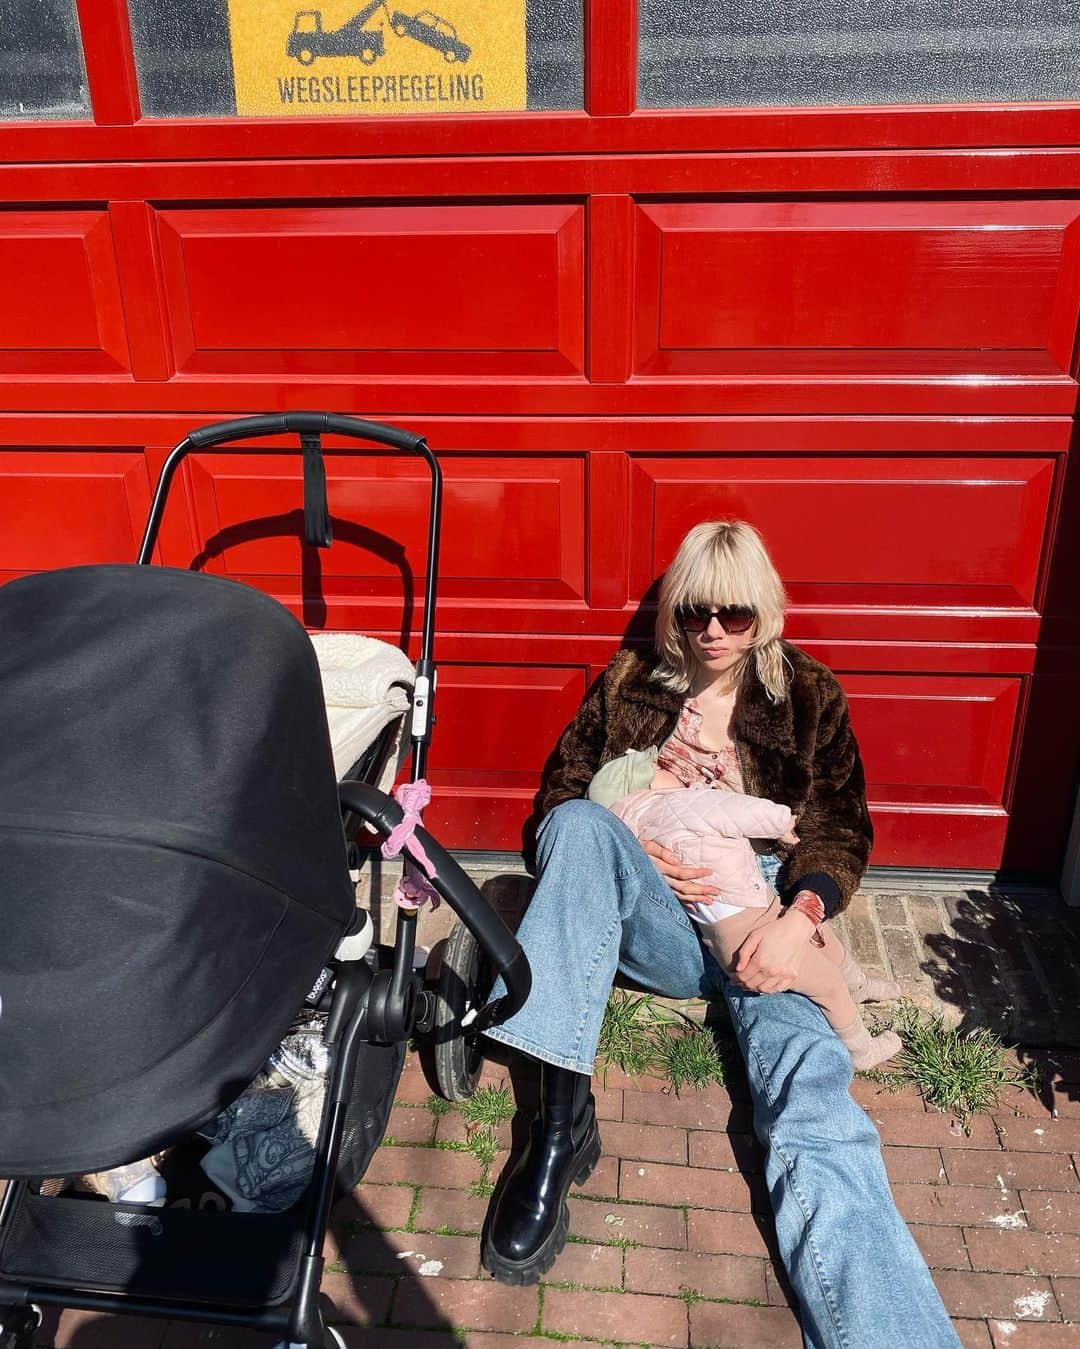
<point x="686" y="757"/>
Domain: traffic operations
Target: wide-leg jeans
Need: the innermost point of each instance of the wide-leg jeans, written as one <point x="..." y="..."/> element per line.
<point x="600" y="905"/>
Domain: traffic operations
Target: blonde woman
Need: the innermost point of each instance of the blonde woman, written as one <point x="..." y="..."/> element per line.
<point x="724" y="688"/>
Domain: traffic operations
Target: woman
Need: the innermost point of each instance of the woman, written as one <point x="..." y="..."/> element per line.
<point x="748" y="703"/>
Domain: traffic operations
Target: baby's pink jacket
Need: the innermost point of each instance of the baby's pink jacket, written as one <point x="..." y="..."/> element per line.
<point x="709" y="828"/>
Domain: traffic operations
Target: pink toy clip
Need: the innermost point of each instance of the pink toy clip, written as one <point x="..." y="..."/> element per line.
<point x="413" y="889"/>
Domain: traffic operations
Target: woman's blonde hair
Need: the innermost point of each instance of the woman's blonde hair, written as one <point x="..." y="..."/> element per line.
<point x="723" y="562"/>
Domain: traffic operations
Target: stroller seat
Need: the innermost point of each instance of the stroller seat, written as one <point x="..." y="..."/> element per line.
<point x="366" y="685"/>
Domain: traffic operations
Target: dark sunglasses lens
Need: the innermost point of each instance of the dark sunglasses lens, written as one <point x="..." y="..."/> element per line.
<point x="734" y="618"/>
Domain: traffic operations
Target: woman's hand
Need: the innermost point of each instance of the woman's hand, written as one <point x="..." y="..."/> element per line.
<point x="683" y="880"/>
<point x="769" y="959"/>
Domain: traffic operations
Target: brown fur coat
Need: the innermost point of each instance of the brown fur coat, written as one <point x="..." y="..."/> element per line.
<point x="800" y="752"/>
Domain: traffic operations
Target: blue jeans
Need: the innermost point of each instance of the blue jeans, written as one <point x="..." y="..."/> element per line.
<point x="601" y="905"/>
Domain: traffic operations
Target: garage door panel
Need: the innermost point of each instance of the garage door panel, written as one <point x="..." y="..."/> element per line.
<point x="857" y="288"/>
<point x="62" y="311"/>
<point x="497" y="726"/>
<point x="862" y="531"/>
<point x="934" y="740"/>
<point x="512" y="528"/>
<point x="69" y="508"/>
<point x="377" y="289"/>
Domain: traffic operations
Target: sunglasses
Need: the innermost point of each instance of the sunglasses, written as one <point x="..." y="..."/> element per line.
<point x="733" y="618"/>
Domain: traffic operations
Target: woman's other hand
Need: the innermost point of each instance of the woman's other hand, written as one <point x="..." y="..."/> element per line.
<point x="685" y="882"/>
<point x="769" y="959"/>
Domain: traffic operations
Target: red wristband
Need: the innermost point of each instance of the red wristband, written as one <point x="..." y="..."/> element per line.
<point x="810" y="906"/>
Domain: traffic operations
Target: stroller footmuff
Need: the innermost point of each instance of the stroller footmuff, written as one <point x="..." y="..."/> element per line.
<point x="174" y="879"/>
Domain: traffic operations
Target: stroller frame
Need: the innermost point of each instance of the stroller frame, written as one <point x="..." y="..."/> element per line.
<point x="368" y="1007"/>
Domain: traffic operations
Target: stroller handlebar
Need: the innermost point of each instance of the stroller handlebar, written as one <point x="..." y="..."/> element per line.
<point x="303" y="423"/>
<point x="499" y="943"/>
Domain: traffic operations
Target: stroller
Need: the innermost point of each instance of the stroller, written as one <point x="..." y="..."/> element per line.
<point x="174" y="885"/>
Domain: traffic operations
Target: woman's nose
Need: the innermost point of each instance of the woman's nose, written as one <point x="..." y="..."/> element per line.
<point x="715" y="627"/>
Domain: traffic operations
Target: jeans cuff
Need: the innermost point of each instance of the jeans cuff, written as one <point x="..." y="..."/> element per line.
<point x="538" y="1051"/>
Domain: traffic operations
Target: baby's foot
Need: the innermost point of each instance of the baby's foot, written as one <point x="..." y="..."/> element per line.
<point x="864" y="987"/>
<point x="866" y="1050"/>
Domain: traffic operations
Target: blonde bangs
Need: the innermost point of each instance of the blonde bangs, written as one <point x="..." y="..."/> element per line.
<point x="722" y="562"/>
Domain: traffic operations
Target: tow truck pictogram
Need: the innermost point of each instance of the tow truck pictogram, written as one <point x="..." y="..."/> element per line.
<point x="310" y="39"/>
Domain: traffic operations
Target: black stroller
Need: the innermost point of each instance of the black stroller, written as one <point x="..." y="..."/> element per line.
<point x="174" y="885"/>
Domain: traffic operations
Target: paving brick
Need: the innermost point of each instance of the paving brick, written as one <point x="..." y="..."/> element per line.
<point x="454" y="1128"/>
<point x="604" y="1181"/>
<point x="733" y="1277"/>
<point x="712" y="1108"/>
<point x="359" y="1299"/>
<point x="974" y="1205"/>
<point x="412" y="1124"/>
<point x="872" y="1096"/>
<point x="185" y="1335"/>
<point x="617" y="1316"/>
<point x="1023" y="1252"/>
<point x="646" y="1142"/>
<point x="1020" y="1170"/>
<point x="779" y="1292"/>
<point x="595" y="1266"/>
<point x="413" y="1087"/>
<point x="931" y="1129"/>
<point x="655" y="1183"/>
<point x="386" y="1337"/>
<point x="731" y="1233"/>
<point x="475" y="1304"/>
<point x="720" y="1325"/>
<point x="1038" y="1135"/>
<point x="942" y="1247"/>
<point x="377" y="1205"/>
<point x="92" y="1330"/>
<point x="1048" y="1211"/>
<point x="972" y="1334"/>
<point x="726" y="1152"/>
<point x="450" y="1208"/>
<point x="914" y="1165"/>
<point x="863" y="939"/>
<point x="609" y="1101"/>
<point x="651" y="1226"/>
<point x="1016" y="1296"/>
<point x="424" y="1166"/>
<point x="1033" y="1335"/>
<point x="1067" y="1292"/>
<point x="423" y="1253"/>
<point x="614" y="1079"/>
<point x="904" y="954"/>
<point x="890" y="911"/>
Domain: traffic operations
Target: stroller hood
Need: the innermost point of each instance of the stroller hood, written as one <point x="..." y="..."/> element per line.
<point x="172" y="865"/>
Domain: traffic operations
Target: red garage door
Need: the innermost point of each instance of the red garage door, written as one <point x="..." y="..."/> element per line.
<point x="613" y="315"/>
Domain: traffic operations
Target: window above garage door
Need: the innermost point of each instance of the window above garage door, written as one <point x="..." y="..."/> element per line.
<point x="827" y="53"/>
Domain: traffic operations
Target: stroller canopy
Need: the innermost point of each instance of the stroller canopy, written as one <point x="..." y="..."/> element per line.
<point x="172" y="864"/>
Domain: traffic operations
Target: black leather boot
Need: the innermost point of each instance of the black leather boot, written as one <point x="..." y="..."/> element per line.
<point x="526" y="1229"/>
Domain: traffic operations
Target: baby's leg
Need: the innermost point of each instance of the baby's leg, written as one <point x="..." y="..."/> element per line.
<point x="862" y="986"/>
<point x="821" y="980"/>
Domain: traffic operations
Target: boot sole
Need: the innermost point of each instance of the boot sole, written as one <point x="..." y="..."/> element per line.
<point x="523" y="1272"/>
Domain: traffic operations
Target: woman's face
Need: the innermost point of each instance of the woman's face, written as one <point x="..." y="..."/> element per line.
<point x="716" y="650"/>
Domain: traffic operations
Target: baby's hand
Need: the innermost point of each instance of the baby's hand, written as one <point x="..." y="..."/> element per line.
<point x="663" y="781"/>
<point x="791" y="836"/>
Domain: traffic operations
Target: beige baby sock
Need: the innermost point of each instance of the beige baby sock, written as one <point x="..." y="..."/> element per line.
<point x="863" y="988"/>
<point x="867" y="1050"/>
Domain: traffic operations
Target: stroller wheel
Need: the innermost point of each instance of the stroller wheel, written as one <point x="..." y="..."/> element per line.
<point x="19" y="1326"/>
<point x="464" y="984"/>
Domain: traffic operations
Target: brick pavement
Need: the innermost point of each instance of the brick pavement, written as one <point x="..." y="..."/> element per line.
<point x="672" y="1243"/>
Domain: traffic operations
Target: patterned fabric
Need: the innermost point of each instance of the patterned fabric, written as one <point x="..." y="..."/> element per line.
<point x="684" y="756"/>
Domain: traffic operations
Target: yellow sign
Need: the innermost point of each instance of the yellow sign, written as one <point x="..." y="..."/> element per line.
<point x="350" y="57"/>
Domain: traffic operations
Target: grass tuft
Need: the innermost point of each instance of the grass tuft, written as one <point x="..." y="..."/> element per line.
<point x="481" y="1189"/>
<point x="490" y="1107"/>
<point x="689" y="1057"/>
<point x="483" y="1145"/>
<point x="438" y="1106"/>
<point x="961" y="1072"/>
<point x="627" y="1039"/>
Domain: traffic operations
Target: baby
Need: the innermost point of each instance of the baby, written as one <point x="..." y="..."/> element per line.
<point x="712" y="829"/>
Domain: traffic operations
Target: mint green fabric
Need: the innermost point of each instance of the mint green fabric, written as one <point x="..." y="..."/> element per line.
<point x="630" y="772"/>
